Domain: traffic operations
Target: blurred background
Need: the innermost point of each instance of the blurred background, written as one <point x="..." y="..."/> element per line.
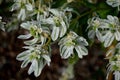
<point x="91" y="67"/>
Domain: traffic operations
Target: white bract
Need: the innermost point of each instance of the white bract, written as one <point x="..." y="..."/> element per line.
<point x="37" y="56"/>
<point x="70" y="42"/>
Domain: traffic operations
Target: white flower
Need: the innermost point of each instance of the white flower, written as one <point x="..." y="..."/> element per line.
<point x="113" y="3"/>
<point x="37" y="56"/>
<point x="59" y="23"/>
<point x="117" y="75"/>
<point x="70" y="42"/>
<point x="114" y="61"/>
<point x="106" y="30"/>
<point x="113" y="30"/>
<point x="94" y="24"/>
<point x="40" y="33"/>
<point x="23" y="6"/>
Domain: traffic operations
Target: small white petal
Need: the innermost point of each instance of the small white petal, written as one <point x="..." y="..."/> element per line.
<point x="91" y="34"/>
<point x="117" y="35"/>
<point x="22" y="14"/>
<point x="108" y="39"/>
<point x="23" y="55"/>
<point x="55" y="33"/>
<point x="25" y="63"/>
<point x="31" y="42"/>
<point x="27" y="36"/>
<point x="78" y="49"/>
<point x="29" y="7"/>
<point x="25" y="25"/>
<point x="47" y="58"/>
<point x="63" y="29"/>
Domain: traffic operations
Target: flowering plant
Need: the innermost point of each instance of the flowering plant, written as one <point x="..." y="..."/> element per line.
<point x="49" y="21"/>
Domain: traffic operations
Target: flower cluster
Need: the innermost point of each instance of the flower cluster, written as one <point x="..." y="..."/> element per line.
<point x="114" y="61"/>
<point x="114" y="3"/>
<point x="24" y="7"/>
<point x="45" y="26"/>
<point x="37" y="56"/>
<point x="70" y="42"/>
<point x="59" y="23"/>
<point x="106" y="30"/>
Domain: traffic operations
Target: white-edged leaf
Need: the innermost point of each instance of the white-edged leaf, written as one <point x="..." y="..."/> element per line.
<point x="22" y="14"/>
<point x="29" y="7"/>
<point x="66" y="53"/>
<point x="47" y="58"/>
<point x="25" y="63"/>
<point x="15" y="6"/>
<point x="39" y="68"/>
<point x="108" y="39"/>
<point x="43" y="40"/>
<point x="27" y="36"/>
<point x="32" y="67"/>
<point x="22" y="56"/>
<point x="55" y="33"/>
<point x="117" y="35"/>
<point x="99" y="36"/>
<point x="63" y="28"/>
<point x="91" y="34"/>
<point x="82" y="41"/>
<point x="31" y="42"/>
<point x="55" y="12"/>
<point x="25" y="25"/>
<point x="84" y="49"/>
<point x="78" y="49"/>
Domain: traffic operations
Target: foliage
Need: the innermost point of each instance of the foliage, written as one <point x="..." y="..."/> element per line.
<point x="72" y="26"/>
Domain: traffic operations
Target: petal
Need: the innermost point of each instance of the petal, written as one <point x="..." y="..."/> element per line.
<point x="27" y="36"/>
<point x="91" y="34"/>
<point x="117" y="35"/>
<point x="22" y="14"/>
<point x="32" y="67"/>
<point x="63" y="29"/>
<point x="47" y="58"/>
<point x="15" y="6"/>
<point x="78" y="49"/>
<point x="31" y="42"/>
<point x="23" y="55"/>
<point x="55" y="12"/>
<point x="39" y="68"/>
<point x="66" y="54"/>
<point x="84" y="49"/>
<point x="25" y="25"/>
<point x="108" y="39"/>
<point x="55" y="33"/>
<point x="29" y="7"/>
<point x="25" y="63"/>
<point x="99" y="36"/>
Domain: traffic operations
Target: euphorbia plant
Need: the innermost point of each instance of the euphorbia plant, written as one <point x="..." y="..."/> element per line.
<point x="47" y="22"/>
